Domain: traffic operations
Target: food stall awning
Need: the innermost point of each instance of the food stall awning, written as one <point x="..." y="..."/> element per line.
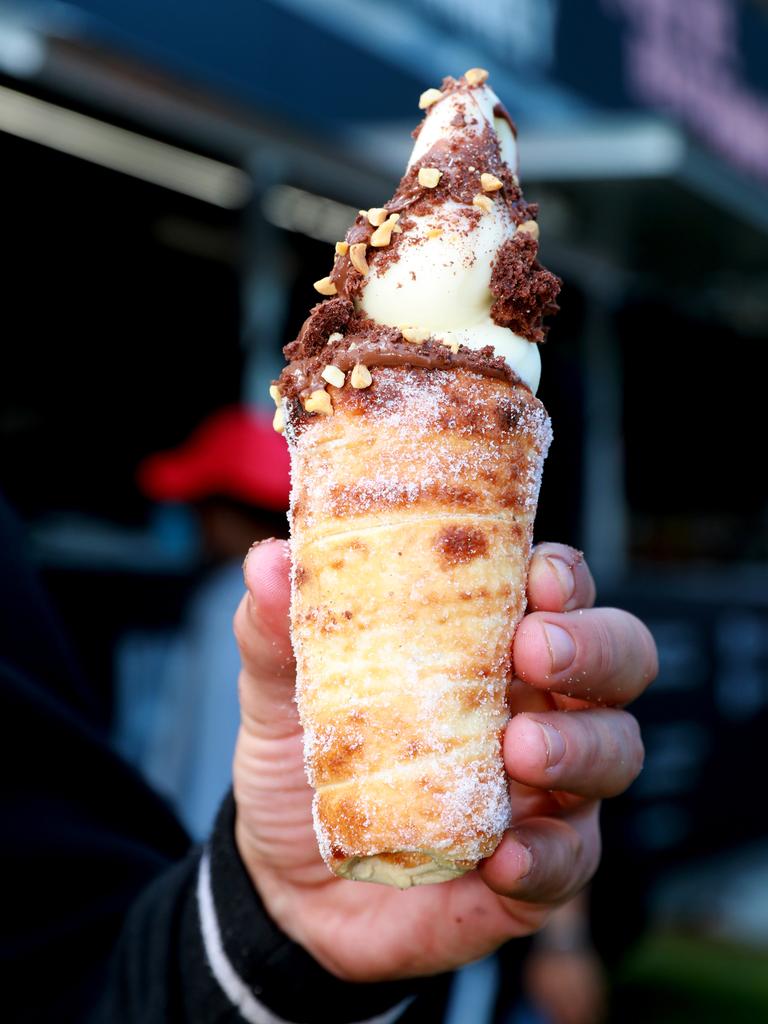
<point x="600" y="92"/>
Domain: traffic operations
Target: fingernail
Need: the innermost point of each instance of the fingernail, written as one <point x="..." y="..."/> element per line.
<point x="562" y="649"/>
<point x="565" y="578"/>
<point x="525" y="859"/>
<point x="554" y="743"/>
<point x="256" y="544"/>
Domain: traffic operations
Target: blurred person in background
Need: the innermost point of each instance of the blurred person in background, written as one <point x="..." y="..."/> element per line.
<point x="563" y="976"/>
<point x="232" y="472"/>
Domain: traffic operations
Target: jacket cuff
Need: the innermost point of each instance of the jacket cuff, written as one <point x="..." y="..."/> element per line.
<point x="267" y="976"/>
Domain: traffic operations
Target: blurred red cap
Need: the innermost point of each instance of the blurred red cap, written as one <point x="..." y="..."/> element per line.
<point x="234" y="452"/>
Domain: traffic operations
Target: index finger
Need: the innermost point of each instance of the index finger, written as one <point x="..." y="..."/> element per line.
<point x="602" y="655"/>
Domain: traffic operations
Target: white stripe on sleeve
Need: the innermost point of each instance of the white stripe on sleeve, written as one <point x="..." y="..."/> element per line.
<point x="230" y="981"/>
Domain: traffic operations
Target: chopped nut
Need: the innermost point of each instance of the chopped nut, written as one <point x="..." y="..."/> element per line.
<point x="278" y="421"/>
<point x="377" y="215"/>
<point x="476" y="76"/>
<point x="471" y="169"/>
<point x="529" y="227"/>
<point x="483" y="202"/>
<point x="383" y="234"/>
<point x="352" y="345"/>
<point x="515" y="180"/>
<point x="363" y="213"/>
<point x="319" y="401"/>
<point x="429" y="177"/>
<point x="334" y="376"/>
<point x="336" y="336"/>
<point x="434" y="232"/>
<point x="342" y="248"/>
<point x="357" y="256"/>
<point x="360" y="377"/>
<point x="325" y="286"/>
<point x="428" y="97"/>
<point x="397" y="230"/>
<point x="452" y="345"/>
<point x="274" y="393"/>
<point x="490" y="183"/>
<point x="416" y="335"/>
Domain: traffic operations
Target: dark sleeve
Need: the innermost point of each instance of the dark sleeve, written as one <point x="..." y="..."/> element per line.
<point x="199" y="947"/>
<point x="103" y="902"/>
<point x="82" y="835"/>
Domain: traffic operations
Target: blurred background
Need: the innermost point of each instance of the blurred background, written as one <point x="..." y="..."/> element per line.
<point x="175" y="174"/>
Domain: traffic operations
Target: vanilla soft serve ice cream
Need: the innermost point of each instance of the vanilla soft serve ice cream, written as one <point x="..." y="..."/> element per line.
<point x="441" y="281"/>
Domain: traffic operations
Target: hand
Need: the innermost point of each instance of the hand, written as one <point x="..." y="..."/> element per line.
<point x="567" y="988"/>
<point x="568" y="745"/>
<point x="562" y="974"/>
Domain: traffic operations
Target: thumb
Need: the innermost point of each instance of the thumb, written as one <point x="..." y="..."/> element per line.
<point x="261" y="629"/>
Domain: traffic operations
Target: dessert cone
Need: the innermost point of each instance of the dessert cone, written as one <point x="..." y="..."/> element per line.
<point x="412" y="514"/>
<point x="416" y="449"/>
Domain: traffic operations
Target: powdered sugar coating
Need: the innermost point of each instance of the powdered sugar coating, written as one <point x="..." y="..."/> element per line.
<point x="422" y="406"/>
<point x="412" y="510"/>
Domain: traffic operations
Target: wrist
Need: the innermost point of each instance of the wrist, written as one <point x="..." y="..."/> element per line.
<point x="275" y="893"/>
<point x="259" y="930"/>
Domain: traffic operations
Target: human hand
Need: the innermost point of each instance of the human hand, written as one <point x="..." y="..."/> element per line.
<point x="563" y="975"/>
<point x="566" y="987"/>
<point x="568" y="745"/>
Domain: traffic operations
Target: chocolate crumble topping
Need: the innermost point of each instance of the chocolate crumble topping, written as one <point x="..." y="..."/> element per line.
<point x="377" y="345"/>
<point x="524" y="291"/>
<point x="324" y="319"/>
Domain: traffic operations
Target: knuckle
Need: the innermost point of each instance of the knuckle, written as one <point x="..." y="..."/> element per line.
<point x="621" y="648"/>
<point x="626" y="752"/>
<point x="604" y="647"/>
<point x="605" y="751"/>
<point x="575" y="868"/>
<point x="607" y="754"/>
<point x="588" y="749"/>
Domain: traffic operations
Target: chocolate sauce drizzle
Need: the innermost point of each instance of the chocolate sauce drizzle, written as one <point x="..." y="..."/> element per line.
<point x="373" y="345"/>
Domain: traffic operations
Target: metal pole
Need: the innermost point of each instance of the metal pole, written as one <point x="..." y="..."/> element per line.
<point x="263" y="290"/>
<point x="604" y="512"/>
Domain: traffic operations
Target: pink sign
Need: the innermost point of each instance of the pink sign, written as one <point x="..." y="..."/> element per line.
<point x="682" y="56"/>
